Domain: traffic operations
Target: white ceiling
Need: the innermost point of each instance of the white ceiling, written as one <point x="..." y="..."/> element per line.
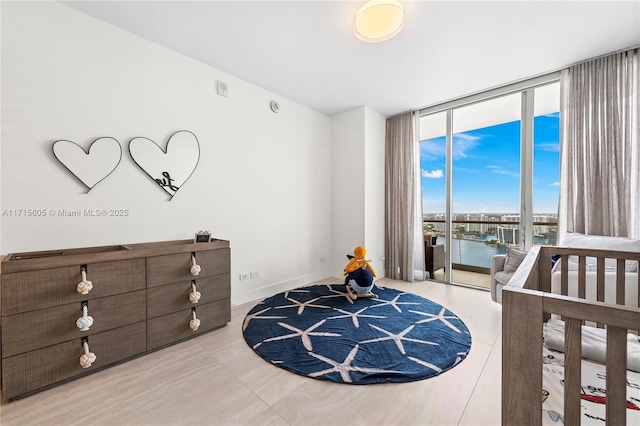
<point x="306" y="50"/>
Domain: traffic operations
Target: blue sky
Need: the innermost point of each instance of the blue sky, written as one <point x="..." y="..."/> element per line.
<point x="486" y="169"/>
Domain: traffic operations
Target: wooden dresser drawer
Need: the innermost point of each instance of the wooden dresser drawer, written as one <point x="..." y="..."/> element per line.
<point x="170" y="298"/>
<point x="41" y="344"/>
<point x="37" y="369"/>
<point x="170" y="328"/>
<point x="43" y="288"/>
<point x="45" y="327"/>
<point x="175" y="268"/>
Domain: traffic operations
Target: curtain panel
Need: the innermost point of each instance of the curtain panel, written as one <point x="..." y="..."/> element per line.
<point x="599" y="153"/>
<point x="403" y="207"/>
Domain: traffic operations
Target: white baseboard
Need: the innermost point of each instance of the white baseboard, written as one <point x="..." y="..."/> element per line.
<point x="271" y="289"/>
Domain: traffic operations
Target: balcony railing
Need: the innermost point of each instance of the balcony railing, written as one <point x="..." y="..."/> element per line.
<point x="472" y="250"/>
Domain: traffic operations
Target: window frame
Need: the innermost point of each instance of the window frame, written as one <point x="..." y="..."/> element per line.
<point x="526" y="88"/>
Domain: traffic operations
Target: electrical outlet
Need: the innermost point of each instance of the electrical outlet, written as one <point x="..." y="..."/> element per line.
<point x="255" y="274"/>
<point x="244" y="276"/>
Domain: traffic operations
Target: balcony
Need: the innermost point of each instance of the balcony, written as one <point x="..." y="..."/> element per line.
<point x="476" y="279"/>
<point x="476" y="240"/>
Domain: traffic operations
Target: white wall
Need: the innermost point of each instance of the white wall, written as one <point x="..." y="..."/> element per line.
<point x="374" y="210"/>
<point x="263" y="181"/>
<point x="357" y="150"/>
<point x="347" y="185"/>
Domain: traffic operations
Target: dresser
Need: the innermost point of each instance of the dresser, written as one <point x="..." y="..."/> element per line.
<point x="68" y="313"/>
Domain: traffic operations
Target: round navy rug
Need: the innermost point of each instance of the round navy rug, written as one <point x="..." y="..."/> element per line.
<point x="318" y="331"/>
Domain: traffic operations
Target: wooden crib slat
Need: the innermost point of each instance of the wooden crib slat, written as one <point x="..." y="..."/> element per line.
<point x="564" y="275"/>
<point x="582" y="277"/>
<point x="572" y="371"/>
<point x="543" y="272"/>
<point x="616" y="376"/>
<point x="600" y="280"/>
<point x="620" y="280"/>
<point x="521" y="366"/>
<point x="600" y="285"/>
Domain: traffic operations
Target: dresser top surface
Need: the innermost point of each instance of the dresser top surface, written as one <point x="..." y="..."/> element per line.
<point x="20" y="262"/>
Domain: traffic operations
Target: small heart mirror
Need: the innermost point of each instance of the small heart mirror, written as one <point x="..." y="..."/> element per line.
<point x="92" y="166"/>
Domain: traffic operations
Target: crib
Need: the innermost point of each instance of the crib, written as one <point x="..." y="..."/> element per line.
<point x="528" y="303"/>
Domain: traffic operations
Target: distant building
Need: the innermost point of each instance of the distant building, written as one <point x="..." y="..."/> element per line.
<point x="543" y="229"/>
<point x="505" y="234"/>
<point x="481" y="228"/>
<point x="437" y="226"/>
<point x="508" y="235"/>
<point x="510" y="218"/>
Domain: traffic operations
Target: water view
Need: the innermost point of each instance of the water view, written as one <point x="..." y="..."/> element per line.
<point x="478" y="252"/>
<point x="477" y="237"/>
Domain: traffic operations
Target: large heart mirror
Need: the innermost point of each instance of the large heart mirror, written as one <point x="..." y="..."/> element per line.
<point x="170" y="167"/>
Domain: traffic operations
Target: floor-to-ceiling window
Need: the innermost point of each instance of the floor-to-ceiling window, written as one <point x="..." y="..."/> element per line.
<point x="490" y="172"/>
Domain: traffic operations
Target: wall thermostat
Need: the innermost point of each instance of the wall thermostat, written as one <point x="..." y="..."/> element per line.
<point x="274" y="106"/>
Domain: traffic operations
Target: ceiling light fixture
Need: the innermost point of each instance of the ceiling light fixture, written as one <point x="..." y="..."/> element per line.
<point x="379" y="20"/>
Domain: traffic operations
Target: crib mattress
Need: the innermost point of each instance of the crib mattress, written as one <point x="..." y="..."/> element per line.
<point x="593" y="391"/>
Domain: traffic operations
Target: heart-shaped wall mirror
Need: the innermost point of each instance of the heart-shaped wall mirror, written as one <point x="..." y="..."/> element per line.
<point x="171" y="167"/>
<point x="93" y="165"/>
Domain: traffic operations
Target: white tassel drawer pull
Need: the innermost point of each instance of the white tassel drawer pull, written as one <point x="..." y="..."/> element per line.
<point x="195" y="322"/>
<point x="195" y="295"/>
<point x="85" y="285"/>
<point x="195" y="268"/>
<point x="85" y="321"/>
<point x="87" y="357"/>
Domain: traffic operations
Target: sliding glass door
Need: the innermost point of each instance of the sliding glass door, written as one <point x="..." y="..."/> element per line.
<point x="482" y="191"/>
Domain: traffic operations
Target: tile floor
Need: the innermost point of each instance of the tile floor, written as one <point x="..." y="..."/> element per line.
<point x="216" y="379"/>
<point x="466" y="278"/>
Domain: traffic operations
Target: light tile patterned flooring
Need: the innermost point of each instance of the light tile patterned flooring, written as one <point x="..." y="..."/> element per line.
<point x="216" y="379"/>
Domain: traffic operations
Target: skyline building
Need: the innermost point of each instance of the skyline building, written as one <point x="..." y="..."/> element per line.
<point x="508" y="235"/>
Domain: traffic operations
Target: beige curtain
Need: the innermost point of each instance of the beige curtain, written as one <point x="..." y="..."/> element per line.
<point x="403" y="230"/>
<point x="599" y="176"/>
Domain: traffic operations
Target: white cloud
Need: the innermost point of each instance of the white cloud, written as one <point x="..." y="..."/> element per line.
<point x="433" y="149"/>
<point x="463" y="142"/>
<point x="549" y="146"/>
<point x="555" y="184"/>
<point x="436" y="148"/>
<point x="433" y="174"/>
<point x="501" y="171"/>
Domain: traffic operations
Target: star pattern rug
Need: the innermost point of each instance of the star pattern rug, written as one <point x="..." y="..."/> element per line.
<point x="319" y="331"/>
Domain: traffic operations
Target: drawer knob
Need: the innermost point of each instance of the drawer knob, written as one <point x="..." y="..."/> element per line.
<point x="87" y="357"/>
<point x="85" y="285"/>
<point x="85" y="321"/>
<point x="195" y="322"/>
<point x="195" y="295"/>
<point x="195" y="268"/>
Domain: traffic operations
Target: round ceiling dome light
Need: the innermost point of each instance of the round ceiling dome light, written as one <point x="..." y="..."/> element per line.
<point x="379" y="20"/>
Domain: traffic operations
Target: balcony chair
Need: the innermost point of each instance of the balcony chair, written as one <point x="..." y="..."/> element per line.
<point x="503" y="267"/>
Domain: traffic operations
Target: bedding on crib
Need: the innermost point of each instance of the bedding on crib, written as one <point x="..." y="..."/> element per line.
<point x="593" y="393"/>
